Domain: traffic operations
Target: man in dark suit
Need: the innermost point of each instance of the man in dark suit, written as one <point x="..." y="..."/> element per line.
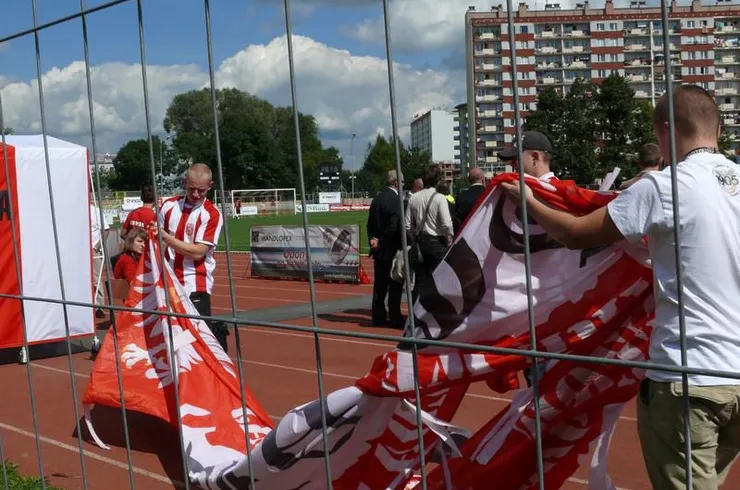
<point x="384" y="232"/>
<point x="467" y="198"/>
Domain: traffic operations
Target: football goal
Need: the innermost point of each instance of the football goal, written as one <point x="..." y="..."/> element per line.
<point x="253" y="202"/>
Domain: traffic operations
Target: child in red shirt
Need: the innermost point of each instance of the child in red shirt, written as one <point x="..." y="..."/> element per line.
<point x="133" y="247"/>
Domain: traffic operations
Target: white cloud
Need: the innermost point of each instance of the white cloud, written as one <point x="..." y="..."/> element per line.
<point x="429" y="25"/>
<point x="345" y="93"/>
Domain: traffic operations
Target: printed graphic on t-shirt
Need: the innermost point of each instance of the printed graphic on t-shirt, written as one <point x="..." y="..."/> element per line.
<point x="727" y="179"/>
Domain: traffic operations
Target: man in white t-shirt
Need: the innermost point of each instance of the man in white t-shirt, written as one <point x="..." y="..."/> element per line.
<point x="709" y="210"/>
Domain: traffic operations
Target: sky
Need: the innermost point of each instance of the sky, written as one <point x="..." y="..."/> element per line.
<point x="339" y="48"/>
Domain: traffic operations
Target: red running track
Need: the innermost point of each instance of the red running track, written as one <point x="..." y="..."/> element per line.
<point x="279" y="366"/>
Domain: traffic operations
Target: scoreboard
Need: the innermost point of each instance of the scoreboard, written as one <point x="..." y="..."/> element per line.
<point x="330" y="174"/>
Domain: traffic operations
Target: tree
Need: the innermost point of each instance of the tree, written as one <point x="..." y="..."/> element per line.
<point x="8" y="130"/>
<point x="623" y="123"/>
<point x="132" y="165"/>
<point x="568" y="123"/>
<point x="258" y="140"/>
<point x="381" y="157"/>
<point x="593" y="128"/>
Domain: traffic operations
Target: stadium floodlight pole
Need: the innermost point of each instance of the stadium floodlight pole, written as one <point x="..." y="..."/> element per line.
<point x="55" y="232"/>
<point x="171" y="346"/>
<point x="106" y="257"/>
<point x="229" y="267"/>
<point x="527" y="252"/>
<point x="19" y="280"/>
<point x="677" y="239"/>
<point x="410" y="326"/>
<point x="309" y="262"/>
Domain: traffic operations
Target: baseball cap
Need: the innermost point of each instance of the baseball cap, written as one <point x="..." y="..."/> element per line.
<point x="531" y="140"/>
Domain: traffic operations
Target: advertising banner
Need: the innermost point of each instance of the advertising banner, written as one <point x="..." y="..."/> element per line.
<point x="312" y="208"/>
<point x="330" y="197"/>
<point x="131" y="203"/>
<point x="249" y="211"/>
<point x="349" y="207"/>
<point x="280" y="252"/>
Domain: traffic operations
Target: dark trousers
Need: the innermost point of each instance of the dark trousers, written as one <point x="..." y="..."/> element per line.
<point x="432" y="249"/>
<point x="202" y="303"/>
<point x="383" y="286"/>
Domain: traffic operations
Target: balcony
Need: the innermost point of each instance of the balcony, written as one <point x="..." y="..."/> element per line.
<point x="487" y="36"/>
<point x="641" y="94"/>
<point x="730" y="29"/>
<point x="486" y="98"/>
<point x="574" y="49"/>
<point x="636" y="47"/>
<point x="548" y="34"/>
<point x="549" y="66"/>
<point x="577" y="33"/>
<point x="489" y="114"/>
<point x="489" y="129"/>
<point x="548" y="81"/>
<point x="639" y="78"/>
<point x="577" y="64"/>
<point x="726" y="60"/>
<point x="728" y="75"/>
<point x="726" y="91"/>
<point x="640" y="31"/>
<point x="728" y="107"/>
<point x="485" y="52"/>
<point x="488" y="67"/>
<point x="636" y="63"/>
<point x="490" y="144"/>
<point x="730" y="121"/>
<point x="547" y="50"/>
<point x="487" y="83"/>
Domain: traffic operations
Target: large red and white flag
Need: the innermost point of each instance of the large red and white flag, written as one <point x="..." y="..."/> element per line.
<point x="594" y="302"/>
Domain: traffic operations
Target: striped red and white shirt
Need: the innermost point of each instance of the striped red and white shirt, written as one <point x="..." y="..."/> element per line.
<point x="199" y="224"/>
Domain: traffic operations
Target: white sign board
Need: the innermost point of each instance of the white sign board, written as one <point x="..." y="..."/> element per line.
<point x="131" y="203"/>
<point x="249" y="211"/>
<point x="330" y="197"/>
<point x="313" y="208"/>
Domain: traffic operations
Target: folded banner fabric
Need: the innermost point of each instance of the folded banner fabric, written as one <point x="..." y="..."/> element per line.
<point x="595" y="302"/>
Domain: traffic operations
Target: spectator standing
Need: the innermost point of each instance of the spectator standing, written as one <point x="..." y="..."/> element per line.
<point x="429" y="223"/>
<point x="467" y="198"/>
<point x="649" y="160"/>
<point x="190" y="227"/>
<point x="709" y="211"/>
<point x="384" y="232"/>
<point x="536" y="155"/>
<point x="143" y="216"/>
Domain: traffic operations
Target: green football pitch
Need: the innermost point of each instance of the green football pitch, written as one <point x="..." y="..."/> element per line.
<point x="239" y="229"/>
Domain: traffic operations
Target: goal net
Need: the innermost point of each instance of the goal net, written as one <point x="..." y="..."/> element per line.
<point x="255" y="202"/>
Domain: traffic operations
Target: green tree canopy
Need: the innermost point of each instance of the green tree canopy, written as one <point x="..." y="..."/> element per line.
<point x="594" y="128"/>
<point x="8" y="130"/>
<point x="258" y="140"/>
<point x="380" y="157"/>
<point x="132" y="165"/>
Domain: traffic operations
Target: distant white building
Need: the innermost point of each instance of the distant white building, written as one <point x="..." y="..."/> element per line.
<point x="104" y="161"/>
<point x="437" y="132"/>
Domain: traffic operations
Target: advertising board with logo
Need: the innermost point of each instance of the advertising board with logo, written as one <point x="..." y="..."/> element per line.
<point x="280" y="252"/>
<point x="312" y="208"/>
<point x="131" y="203"/>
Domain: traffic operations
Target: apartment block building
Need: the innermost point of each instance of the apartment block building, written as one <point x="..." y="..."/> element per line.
<point x="438" y="132"/>
<point x="555" y="47"/>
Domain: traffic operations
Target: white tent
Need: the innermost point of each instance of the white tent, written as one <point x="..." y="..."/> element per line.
<point x="28" y="189"/>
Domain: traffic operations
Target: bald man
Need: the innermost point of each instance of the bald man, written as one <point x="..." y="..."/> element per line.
<point x="191" y="225"/>
<point x="466" y="200"/>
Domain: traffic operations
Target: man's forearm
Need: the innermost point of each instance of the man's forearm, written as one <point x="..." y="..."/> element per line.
<point x="194" y="250"/>
<point x="558" y="224"/>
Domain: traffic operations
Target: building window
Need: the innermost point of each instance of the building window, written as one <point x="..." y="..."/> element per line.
<point x="613" y="26"/>
<point x="600" y="27"/>
<point x="523" y="29"/>
<point x="691" y="24"/>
